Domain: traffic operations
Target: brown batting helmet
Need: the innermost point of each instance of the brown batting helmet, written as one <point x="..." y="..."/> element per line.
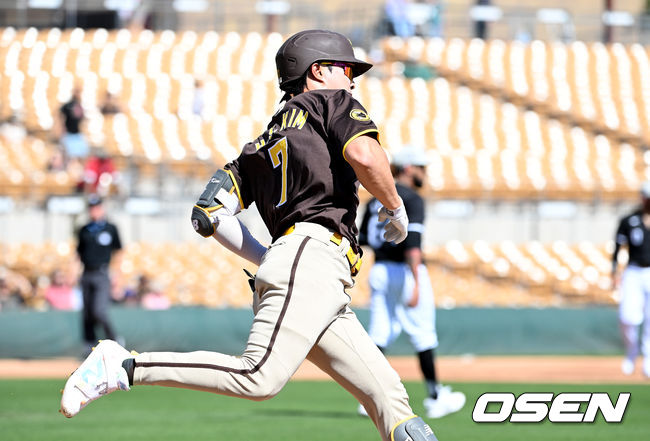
<point x="303" y="49"/>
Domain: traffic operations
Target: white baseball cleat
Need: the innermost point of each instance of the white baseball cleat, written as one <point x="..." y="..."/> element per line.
<point x="627" y="367"/>
<point x="448" y="401"/>
<point x="646" y="366"/>
<point x="100" y="374"/>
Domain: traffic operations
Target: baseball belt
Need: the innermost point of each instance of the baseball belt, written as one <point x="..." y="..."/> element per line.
<point x="354" y="259"/>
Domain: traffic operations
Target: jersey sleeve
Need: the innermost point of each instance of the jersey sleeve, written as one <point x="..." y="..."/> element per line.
<point x="622" y="232"/>
<point x="619" y="241"/>
<point x="346" y="120"/>
<point x="235" y="171"/>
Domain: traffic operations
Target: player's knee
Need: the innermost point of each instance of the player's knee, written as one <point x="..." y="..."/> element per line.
<point x="266" y="385"/>
<point x="413" y="429"/>
<point x="264" y="391"/>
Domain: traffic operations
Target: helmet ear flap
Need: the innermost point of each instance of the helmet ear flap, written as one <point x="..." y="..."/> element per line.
<point x="291" y="61"/>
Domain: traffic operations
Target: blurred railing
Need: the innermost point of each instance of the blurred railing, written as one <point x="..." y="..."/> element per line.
<point x="361" y="21"/>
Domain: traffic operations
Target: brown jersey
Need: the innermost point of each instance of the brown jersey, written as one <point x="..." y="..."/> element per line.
<point x="296" y="170"/>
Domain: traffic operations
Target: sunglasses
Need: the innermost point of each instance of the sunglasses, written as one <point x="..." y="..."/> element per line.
<point x="347" y="68"/>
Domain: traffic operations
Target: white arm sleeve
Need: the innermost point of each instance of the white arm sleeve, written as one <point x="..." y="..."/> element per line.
<point x="232" y="234"/>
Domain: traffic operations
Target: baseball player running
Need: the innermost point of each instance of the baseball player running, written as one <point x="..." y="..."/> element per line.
<point x="302" y="173"/>
<point x="634" y="308"/>
<point x="401" y="293"/>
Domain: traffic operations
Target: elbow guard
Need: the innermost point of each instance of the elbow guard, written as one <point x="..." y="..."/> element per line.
<point x="220" y="193"/>
<point x="202" y="221"/>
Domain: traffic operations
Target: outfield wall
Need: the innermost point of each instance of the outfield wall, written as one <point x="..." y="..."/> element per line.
<point x="493" y="331"/>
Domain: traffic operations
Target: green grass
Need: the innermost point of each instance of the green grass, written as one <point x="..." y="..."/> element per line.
<point x="303" y="411"/>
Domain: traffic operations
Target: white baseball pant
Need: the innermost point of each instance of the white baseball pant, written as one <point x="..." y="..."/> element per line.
<point x="634" y="310"/>
<point x="302" y="312"/>
<point x="391" y="285"/>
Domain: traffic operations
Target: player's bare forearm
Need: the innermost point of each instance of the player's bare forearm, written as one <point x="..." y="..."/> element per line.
<point x="371" y="166"/>
<point x="413" y="257"/>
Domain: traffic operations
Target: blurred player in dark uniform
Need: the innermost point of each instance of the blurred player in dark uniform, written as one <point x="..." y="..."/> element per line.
<point x="302" y="173"/>
<point x="98" y="240"/>
<point x="634" y="308"/>
<point x="401" y="293"/>
<point x="72" y="115"/>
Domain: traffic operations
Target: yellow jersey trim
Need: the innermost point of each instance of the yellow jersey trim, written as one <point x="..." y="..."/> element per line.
<point x="355" y="137"/>
<point x="234" y="182"/>
<point x="212" y="209"/>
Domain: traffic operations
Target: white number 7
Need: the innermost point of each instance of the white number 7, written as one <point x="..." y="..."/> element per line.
<point x="278" y="154"/>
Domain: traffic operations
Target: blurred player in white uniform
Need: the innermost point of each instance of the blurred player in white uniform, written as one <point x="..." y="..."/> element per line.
<point x="634" y="309"/>
<point x="401" y="292"/>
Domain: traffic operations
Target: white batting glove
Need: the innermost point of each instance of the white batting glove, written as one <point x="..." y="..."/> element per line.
<point x="396" y="229"/>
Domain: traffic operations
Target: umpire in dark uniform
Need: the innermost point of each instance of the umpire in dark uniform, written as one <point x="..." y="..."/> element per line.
<point x="97" y="242"/>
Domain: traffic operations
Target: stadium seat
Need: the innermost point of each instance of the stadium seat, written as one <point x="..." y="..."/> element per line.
<point x="551" y="274"/>
<point x="504" y="120"/>
<point x="470" y="274"/>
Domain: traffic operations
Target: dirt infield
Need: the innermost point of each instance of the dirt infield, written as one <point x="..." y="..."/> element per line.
<point x="515" y="369"/>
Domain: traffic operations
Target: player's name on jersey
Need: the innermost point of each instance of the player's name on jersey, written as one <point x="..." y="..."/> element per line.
<point x="290" y="119"/>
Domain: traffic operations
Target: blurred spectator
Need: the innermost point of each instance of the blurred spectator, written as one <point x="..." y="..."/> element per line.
<point x="56" y="162"/>
<point x="523" y="33"/>
<point x="60" y="293"/>
<point x="426" y="16"/>
<point x="110" y="106"/>
<point x="75" y="168"/>
<point x="127" y="293"/>
<point x="481" y="26"/>
<point x="142" y="288"/>
<point x="134" y="292"/>
<point x="14" y="289"/>
<point x="146" y="293"/>
<point x="198" y="102"/>
<point x="407" y="18"/>
<point x="37" y="298"/>
<point x="154" y="297"/>
<point x="72" y="115"/>
<point x="414" y="69"/>
<point x="397" y="20"/>
<point x="99" y="174"/>
<point x="12" y="131"/>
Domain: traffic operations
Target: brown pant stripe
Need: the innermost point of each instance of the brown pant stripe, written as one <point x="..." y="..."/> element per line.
<point x="269" y="348"/>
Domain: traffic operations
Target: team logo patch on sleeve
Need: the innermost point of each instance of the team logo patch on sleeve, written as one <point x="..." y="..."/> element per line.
<point x="359" y="115"/>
